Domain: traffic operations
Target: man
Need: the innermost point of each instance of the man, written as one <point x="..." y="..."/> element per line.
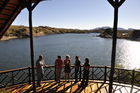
<point x="39" y="69"/>
<point x="58" y="68"/>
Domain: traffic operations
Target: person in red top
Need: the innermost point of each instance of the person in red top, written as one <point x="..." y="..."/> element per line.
<point x="58" y="68"/>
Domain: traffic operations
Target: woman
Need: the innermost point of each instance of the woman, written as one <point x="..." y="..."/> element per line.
<point x="86" y="72"/>
<point x="67" y="68"/>
<point x="58" y="68"/>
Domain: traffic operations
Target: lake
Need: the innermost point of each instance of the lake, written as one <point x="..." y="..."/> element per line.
<point x="16" y="53"/>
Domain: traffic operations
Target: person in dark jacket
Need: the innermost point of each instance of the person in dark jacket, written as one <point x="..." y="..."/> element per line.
<point x="67" y="68"/>
<point x="77" y="68"/>
<point x="86" y="69"/>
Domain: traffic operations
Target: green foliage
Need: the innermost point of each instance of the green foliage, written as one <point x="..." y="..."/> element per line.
<point x="119" y="66"/>
<point x="108" y="31"/>
<point x="125" y="34"/>
<point x="18" y="31"/>
<point x="126" y="76"/>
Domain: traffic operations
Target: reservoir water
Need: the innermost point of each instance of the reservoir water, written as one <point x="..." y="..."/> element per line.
<point x="16" y="53"/>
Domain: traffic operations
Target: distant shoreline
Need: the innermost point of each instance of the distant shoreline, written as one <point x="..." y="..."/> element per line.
<point x="4" y="38"/>
<point x="19" y="32"/>
<point x="23" y="31"/>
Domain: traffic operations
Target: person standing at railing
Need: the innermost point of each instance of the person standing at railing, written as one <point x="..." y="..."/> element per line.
<point x="77" y="68"/>
<point x="86" y="70"/>
<point x="67" y="68"/>
<point x="40" y="63"/>
<point x="58" y="68"/>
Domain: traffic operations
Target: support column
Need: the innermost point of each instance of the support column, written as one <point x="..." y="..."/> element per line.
<point x="31" y="45"/>
<point x="30" y="8"/>
<point x="113" y="56"/>
<point x="32" y="50"/>
<point x="116" y="4"/>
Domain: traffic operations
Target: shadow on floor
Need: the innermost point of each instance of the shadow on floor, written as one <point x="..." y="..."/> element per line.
<point x="62" y="87"/>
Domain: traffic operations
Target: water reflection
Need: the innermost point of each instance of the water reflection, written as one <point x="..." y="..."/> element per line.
<point x="128" y="54"/>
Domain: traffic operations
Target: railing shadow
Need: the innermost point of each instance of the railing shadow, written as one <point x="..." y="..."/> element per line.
<point x="61" y="87"/>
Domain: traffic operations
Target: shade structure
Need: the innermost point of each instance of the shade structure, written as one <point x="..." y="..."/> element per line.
<point x="9" y="9"/>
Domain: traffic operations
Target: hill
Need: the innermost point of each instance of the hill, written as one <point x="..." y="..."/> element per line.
<point x="124" y="34"/>
<point x="23" y="31"/>
<point x="105" y="32"/>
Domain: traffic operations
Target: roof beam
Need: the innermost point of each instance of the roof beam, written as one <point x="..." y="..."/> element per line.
<point x="3" y="5"/>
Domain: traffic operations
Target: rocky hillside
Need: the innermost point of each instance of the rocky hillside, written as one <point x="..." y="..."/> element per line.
<point x="23" y="31"/>
<point x="125" y="34"/>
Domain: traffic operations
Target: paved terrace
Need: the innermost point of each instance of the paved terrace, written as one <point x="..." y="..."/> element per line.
<point x="53" y="87"/>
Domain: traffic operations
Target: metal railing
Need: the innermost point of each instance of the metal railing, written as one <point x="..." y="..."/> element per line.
<point x="129" y="79"/>
<point x="15" y="76"/>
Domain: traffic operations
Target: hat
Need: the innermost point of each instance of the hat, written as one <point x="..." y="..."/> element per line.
<point x="68" y="55"/>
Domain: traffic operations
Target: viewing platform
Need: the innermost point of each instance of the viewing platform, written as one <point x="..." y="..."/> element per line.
<point x="19" y="81"/>
<point x="51" y="86"/>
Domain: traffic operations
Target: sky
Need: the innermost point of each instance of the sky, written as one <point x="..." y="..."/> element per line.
<point x="82" y="14"/>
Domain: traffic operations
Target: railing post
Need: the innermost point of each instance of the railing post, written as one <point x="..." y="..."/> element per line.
<point x="80" y="72"/>
<point x="92" y="72"/>
<point x="29" y="73"/>
<point x="55" y="72"/>
<point x="118" y="75"/>
<point x="12" y="78"/>
<point x="105" y="74"/>
<point x="132" y="82"/>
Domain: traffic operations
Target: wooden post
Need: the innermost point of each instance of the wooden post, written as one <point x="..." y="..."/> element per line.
<point x="12" y="77"/>
<point x="92" y="73"/>
<point x="29" y="73"/>
<point x="30" y="8"/>
<point x="105" y="74"/>
<point x="32" y="47"/>
<point x="113" y="56"/>
<point x="116" y="4"/>
<point x="132" y="82"/>
<point x="80" y="73"/>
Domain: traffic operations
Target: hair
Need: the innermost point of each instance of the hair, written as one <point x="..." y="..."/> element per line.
<point x="77" y="57"/>
<point x="59" y="56"/>
<point x="40" y="56"/>
<point x="86" y="60"/>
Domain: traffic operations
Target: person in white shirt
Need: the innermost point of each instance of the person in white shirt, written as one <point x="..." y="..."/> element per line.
<point x="40" y="63"/>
